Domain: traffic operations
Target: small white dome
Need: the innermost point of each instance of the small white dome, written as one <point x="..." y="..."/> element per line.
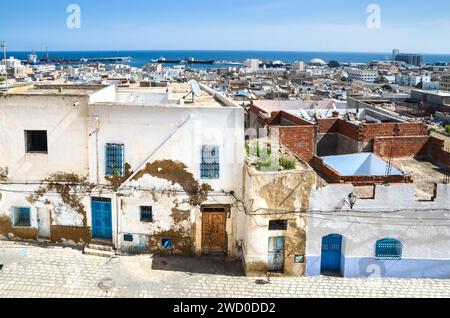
<point x="317" y="62"/>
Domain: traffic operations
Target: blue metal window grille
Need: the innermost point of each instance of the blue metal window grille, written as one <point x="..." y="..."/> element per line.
<point x="128" y="238"/>
<point x="115" y="160"/>
<point x="146" y="214"/>
<point x="389" y="249"/>
<point x="22" y="217"/>
<point x="167" y="244"/>
<point x="210" y="167"/>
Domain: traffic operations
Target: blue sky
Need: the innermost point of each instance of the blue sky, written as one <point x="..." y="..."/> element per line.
<point x="303" y="25"/>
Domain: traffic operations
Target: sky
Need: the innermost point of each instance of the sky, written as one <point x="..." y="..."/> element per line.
<point x="277" y="25"/>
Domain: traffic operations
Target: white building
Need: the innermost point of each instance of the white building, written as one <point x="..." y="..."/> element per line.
<point x="299" y="66"/>
<point x="392" y="234"/>
<point x="355" y="74"/>
<point x="252" y="64"/>
<point x="412" y="80"/>
<point x="139" y="169"/>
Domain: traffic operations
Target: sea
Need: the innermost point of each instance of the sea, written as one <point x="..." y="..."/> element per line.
<point x="141" y="58"/>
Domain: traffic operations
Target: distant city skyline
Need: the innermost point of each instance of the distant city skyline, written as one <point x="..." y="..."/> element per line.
<point x="251" y="25"/>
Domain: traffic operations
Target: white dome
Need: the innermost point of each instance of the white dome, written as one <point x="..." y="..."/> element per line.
<point x="317" y="62"/>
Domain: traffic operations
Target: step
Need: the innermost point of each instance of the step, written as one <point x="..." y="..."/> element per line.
<point x="107" y="248"/>
<point x="100" y="253"/>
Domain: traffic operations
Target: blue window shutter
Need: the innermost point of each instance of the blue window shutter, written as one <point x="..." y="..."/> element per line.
<point x="22" y="217"/>
<point x="389" y="249"/>
<point x="210" y="166"/>
<point x="115" y="160"/>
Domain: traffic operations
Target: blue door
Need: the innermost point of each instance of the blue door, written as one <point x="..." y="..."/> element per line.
<point x="331" y="253"/>
<point x="276" y="254"/>
<point x="101" y="219"/>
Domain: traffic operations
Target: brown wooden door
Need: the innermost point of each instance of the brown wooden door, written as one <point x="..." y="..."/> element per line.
<point x="214" y="232"/>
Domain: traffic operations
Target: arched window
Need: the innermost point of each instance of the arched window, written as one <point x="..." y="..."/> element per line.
<point x="389" y="249"/>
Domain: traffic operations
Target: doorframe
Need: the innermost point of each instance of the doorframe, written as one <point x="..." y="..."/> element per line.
<point x="226" y="210"/>
<point x="340" y="270"/>
<point x="113" y="228"/>
<point x="281" y="271"/>
<point x="49" y="217"/>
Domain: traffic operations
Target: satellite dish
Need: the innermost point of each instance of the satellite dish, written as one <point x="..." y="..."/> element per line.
<point x="196" y="88"/>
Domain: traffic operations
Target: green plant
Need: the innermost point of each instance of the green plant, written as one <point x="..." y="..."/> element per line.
<point x="267" y="164"/>
<point x="258" y="150"/>
<point x="447" y="129"/>
<point x="2" y="79"/>
<point x="287" y="163"/>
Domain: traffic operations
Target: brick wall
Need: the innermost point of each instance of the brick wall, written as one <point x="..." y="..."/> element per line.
<point x="436" y="151"/>
<point x="332" y="176"/>
<point x="350" y="130"/>
<point x="413" y="146"/>
<point x="367" y="132"/>
<point x="298" y="139"/>
<point x="325" y="126"/>
<point x="371" y="131"/>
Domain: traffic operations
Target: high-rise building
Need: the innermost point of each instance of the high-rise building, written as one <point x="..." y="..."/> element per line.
<point x="408" y="58"/>
<point x="444" y="83"/>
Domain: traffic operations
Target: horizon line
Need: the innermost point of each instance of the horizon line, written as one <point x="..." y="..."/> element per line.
<point x="224" y="50"/>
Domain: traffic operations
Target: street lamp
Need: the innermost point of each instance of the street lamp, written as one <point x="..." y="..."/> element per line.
<point x="3" y="47"/>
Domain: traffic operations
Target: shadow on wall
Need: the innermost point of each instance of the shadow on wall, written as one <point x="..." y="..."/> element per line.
<point x="199" y="265"/>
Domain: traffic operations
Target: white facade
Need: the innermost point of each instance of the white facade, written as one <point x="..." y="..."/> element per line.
<point x="362" y="75"/>
<point x="412" y="80"/>
<point x="252" y="64"/>
<point x="422" y="227"/>
<point x="63" y="182"/>
<point x="299" y="66"/>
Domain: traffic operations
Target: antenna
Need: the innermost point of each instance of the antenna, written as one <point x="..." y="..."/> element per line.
<point x="3" y="46"/>
<point x="447" y="170"/>
<point x="195" y="90"/>
<point x="389" y="166"/>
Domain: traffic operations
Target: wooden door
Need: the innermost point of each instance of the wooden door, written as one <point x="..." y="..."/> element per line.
<point x="214" y="232"/>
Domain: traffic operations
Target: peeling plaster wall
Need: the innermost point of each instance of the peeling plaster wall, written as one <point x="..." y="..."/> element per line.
<point x="153" y="126"/>
<point x="378" y="218"/>
<point x="65" y="225"/>
<point x="284" y="192"/>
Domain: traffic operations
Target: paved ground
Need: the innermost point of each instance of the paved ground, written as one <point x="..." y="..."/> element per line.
<point x="32" y="271"/>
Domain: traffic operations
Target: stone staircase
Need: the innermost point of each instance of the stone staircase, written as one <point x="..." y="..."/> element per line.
<point x="99" y="250"/>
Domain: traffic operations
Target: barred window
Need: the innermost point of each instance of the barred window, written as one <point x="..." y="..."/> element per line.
<point x="210" y="168"/>
<point x="22" y="217"/>
<point x="167" y="244"/>
<point x="115" y="160"/>
<point x="146" y="214"/>
<point x="389" y="249"/>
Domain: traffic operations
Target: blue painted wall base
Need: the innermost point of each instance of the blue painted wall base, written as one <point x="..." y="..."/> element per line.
<point x="371" y="267"/>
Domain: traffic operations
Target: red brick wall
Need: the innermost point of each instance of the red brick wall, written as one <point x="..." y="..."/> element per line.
<point x="325" y="126"/>
<point x="334" y="177"/>
<point x="350" y="130"/>
<point x="415" y="146"/>
<point x="437" y="152"/>
<point x="298" y="139"/>
<point x="371" y="131"/>
<point x="367" y="132"/>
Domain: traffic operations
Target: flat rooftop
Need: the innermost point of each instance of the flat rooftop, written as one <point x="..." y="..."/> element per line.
<point x="270" y="106"/>
<point x="55" y="89"/>
<point x="175" y="94"/>
<point x="424" y="174"/>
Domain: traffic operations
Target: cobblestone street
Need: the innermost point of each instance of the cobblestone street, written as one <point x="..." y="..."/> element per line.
<point x="35" y="271"/>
